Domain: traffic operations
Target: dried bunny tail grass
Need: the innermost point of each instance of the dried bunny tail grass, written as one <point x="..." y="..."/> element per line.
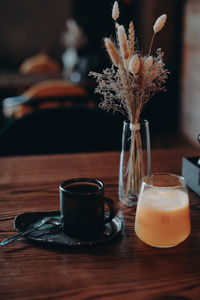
<point x="134" y="64"/>
<point x="148" y="63"/>
<point x="112" y="51"/>
<point x="123" y="43"/>
<point x="115" y="11"/>
<point x="160" y="23"/>
<point x="116" y="25"/>
<point x="131" y="36"/>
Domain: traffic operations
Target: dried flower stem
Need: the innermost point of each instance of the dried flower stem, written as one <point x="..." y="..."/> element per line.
<point x="151" y="44"/>
<point x="135" y="169"/>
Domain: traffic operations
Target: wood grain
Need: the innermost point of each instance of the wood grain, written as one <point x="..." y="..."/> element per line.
<point x="125" y="267"/>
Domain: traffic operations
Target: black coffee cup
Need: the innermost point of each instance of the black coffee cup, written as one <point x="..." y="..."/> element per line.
<point x="82" y="205"/>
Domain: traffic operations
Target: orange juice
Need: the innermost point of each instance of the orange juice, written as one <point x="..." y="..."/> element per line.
<point x="163" y="217"/>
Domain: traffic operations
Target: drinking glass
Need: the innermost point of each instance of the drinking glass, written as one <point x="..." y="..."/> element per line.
<point x="163" y="214"/>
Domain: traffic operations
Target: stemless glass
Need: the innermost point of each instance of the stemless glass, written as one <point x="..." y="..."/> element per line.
<point x="162" y="214"/>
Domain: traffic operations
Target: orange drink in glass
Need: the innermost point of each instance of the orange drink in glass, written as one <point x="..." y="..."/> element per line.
<point x="163" y="214"/>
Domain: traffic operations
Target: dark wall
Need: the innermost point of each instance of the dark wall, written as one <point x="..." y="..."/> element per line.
<point x="27" y="27"/>
<point x="95" y="17"/>
<point x="163" y="111"/>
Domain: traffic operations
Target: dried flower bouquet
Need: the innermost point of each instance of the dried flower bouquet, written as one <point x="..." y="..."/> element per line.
<point x="129" y="84"/>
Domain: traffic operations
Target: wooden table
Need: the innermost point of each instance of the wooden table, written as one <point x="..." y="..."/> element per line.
<point x="125" y="268"/>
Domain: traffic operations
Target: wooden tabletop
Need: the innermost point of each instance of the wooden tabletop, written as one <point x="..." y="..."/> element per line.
<point x="124" y="268"/>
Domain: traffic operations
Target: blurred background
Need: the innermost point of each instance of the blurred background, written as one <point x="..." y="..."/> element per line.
<point x="62" y="40"/>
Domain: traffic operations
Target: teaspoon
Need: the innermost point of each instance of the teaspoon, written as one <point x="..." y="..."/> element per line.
<point x="47" y="220"/>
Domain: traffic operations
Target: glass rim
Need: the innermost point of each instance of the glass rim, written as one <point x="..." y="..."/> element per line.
<point x="181" y="179"/>
<point x="140" y="121"/>
<point x="69" y="182"/>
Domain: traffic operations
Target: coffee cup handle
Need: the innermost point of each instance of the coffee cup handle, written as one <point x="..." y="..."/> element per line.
<point x="112" y="208"/>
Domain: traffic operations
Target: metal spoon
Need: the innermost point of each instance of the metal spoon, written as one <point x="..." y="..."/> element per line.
<point x="45" y="220"/>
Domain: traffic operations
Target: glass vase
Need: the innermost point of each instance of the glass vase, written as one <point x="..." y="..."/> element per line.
<point x="135" y="160"/>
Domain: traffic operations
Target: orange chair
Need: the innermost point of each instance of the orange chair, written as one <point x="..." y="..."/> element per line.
<point x="50" y="93"/>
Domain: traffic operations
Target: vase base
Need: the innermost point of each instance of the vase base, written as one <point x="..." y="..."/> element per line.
<point x="128" y="200"/>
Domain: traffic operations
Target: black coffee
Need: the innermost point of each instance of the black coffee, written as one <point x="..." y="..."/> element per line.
<point x="82" y="188"/>
<point x="82" y="207"/>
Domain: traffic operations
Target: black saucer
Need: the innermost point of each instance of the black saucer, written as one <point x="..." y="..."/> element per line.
<point x="53" y="235"/>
